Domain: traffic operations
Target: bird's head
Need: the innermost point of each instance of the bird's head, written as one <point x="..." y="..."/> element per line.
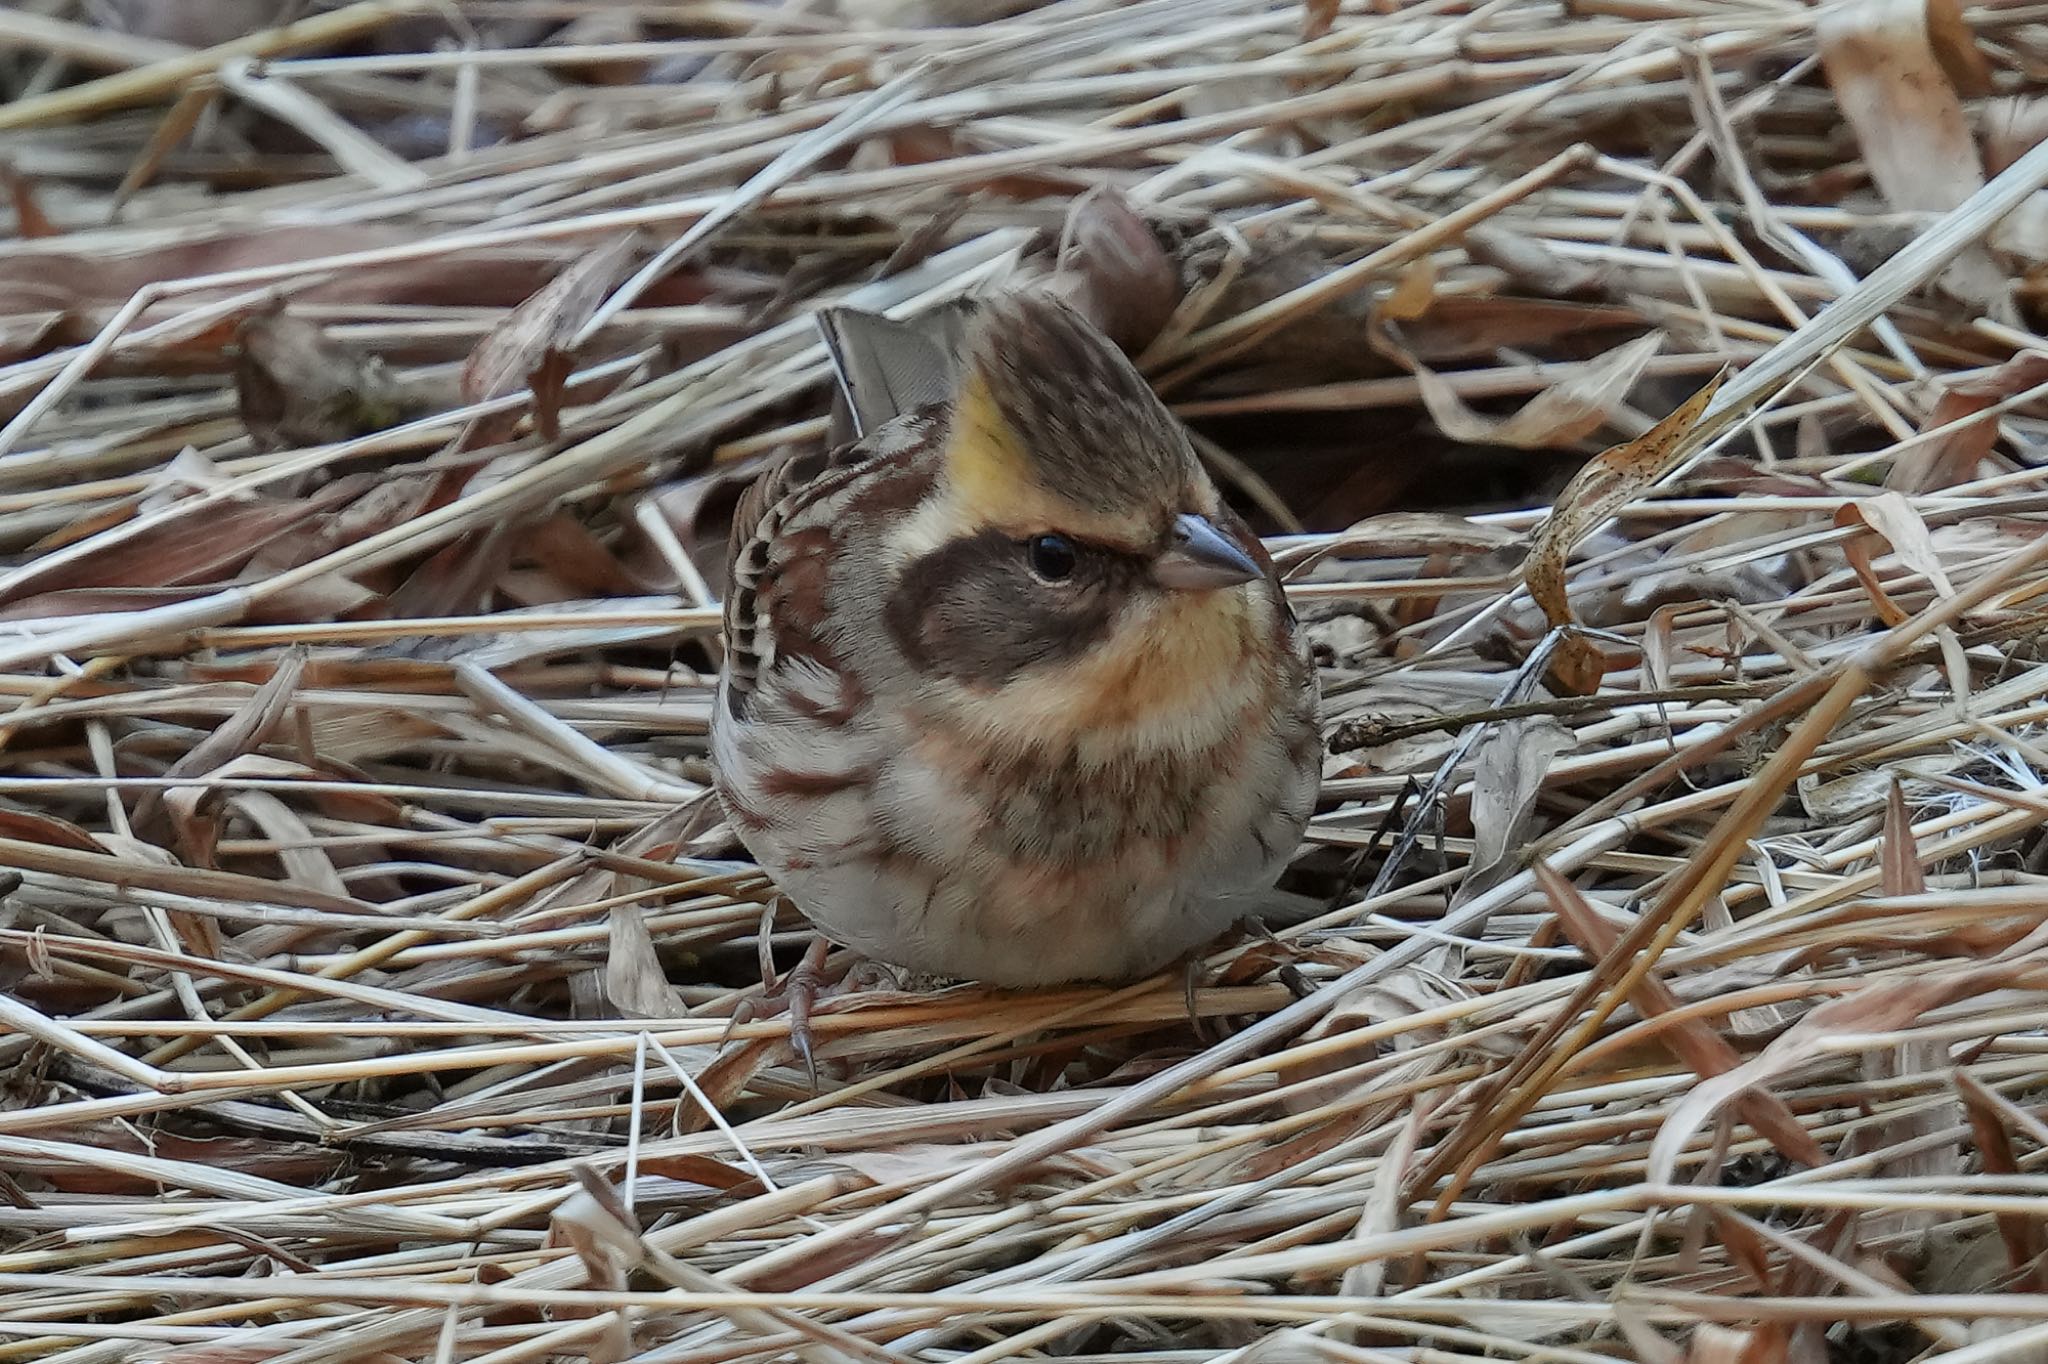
<point x="1072" y="546"/>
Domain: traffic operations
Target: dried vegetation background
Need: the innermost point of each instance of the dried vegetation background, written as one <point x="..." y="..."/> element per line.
<point x="373" y="393"/>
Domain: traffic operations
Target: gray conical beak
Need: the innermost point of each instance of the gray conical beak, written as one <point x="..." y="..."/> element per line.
<point x="1202" y="558"/>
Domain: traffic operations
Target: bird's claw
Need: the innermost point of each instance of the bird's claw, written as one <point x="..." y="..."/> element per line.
<point x="796" y="994"/>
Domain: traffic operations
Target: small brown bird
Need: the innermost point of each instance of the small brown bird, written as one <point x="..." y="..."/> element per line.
<point x="1009" y="693"/>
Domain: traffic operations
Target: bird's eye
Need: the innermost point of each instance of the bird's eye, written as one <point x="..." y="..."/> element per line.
<point x="1052" y="557"/>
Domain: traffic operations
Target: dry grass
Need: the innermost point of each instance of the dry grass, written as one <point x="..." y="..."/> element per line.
<point x="371" y="975"/>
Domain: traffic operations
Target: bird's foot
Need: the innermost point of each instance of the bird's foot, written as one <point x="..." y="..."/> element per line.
<point x="797" y="994"/>
<point x="1268" y="952"/>
<point x="1263" y="952"/>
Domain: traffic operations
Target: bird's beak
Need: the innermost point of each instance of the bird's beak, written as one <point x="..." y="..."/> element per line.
<point x="1202" y="558"/>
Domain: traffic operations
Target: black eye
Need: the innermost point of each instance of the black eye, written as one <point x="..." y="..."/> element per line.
<point x="1052" y="557"/>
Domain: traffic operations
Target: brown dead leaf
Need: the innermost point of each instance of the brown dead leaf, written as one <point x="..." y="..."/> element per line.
<point x="529" y="347"/>
<point x="578" y="560"/>
<point x="1875" y="1008"/>
<point x="1881" y="63"/>
<point x="177" y="124"/>
<point x="1508" y="767"/>
<point x="1596" y="492"/>
<point x="1955" y="457"/>
<point x="1557" y="417"/>
<point x="458" y="579"/>
<point x="247" y="729"/>
<point x="1112" y="268"/>
<point x="57" y="833"/>
<point x="81" y="283"/>
<point x="1857" y="550"/>
<point x="1901" y="873"/>
<point x="1891" y="519"/>
<point x="203" y="543"/>
<point x="1900" y="523"/>
<point x="605" y="1235"/>
<point x="1989" y="1112"/>
<point x="633" y="978"/>
<point x="1318" y="17"/>
<point x="1693" y="1041"/>
<point x="295" y="386"/>
<point x="303" y="1163"/>
<point x="196" y="824"/>
<point x="29" y="219"/>
<point x="685" y="1168"/>
<point x="1955" y="48"/>
<point x="1459" y="327"/>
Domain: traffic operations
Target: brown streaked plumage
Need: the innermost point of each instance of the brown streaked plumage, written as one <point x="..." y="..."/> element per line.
<point x="1009" y="693"/>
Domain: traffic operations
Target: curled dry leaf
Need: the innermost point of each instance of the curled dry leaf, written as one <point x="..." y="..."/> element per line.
<point x="1899" y="522"/>
<point x="1892" y="517"/>
<point x="530" y="346"/>
<point x="1596" y="492"/>
<point x="192" y="811"/>
<point x="606" y="1238"/>
<point x="1556" y="417"/>
<point x="296" y="386"/>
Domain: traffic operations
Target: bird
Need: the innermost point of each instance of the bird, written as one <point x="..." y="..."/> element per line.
<point x="1009" y="694"/>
